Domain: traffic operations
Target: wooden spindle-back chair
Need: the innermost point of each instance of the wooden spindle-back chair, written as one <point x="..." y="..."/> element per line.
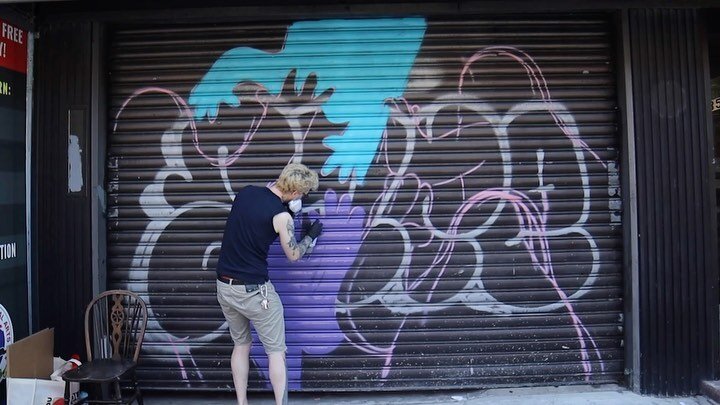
<point x="115" y="323"/>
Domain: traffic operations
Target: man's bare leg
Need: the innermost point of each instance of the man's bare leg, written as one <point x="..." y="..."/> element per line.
<point x="278" y="377"/>
<point x="240" y="364"/>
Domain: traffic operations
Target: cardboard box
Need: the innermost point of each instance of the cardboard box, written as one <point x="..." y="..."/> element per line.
<point x="30" y="363"/>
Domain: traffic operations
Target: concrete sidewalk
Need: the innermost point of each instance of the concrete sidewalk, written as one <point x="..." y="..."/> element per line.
<point x="568" y="395"/>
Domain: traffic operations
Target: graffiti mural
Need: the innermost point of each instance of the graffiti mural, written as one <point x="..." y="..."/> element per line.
<point x="448" y="206"/>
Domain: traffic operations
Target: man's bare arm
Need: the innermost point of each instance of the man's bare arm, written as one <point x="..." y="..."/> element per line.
<point x="285" y="227"/>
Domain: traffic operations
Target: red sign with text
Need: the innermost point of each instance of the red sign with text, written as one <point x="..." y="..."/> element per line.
<point x="13" y="47"/>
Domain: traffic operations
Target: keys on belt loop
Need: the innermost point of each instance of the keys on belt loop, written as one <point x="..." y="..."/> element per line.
<point x="265" y="304"/>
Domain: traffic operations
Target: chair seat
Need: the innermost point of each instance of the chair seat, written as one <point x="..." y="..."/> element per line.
<point x="100" y="370"/>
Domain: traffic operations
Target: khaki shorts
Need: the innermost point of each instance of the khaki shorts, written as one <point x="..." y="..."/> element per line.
<point x="240" y="308"/>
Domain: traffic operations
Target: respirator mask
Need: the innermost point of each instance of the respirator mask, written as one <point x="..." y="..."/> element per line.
<point x="295" y="205"/>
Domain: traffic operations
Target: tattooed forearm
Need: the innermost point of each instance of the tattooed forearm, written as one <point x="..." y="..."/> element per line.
<point x="301" y="247"/>
<point x="305" y="246"/>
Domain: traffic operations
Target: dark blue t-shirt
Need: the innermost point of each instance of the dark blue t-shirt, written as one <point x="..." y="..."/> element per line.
<point x="249" y="232"/>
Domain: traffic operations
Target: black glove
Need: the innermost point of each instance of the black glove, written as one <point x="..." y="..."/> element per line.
<point x="314" y="230"/>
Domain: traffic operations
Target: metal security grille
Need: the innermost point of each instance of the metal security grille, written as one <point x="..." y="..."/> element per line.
<point x="683" y="336"/>
<point x="469" y="191"/>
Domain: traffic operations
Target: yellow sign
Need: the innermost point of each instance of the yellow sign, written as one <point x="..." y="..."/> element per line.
<point x="5" y="89"/>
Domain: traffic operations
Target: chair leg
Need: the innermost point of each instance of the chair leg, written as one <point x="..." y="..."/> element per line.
<point x="118" y="393"/>
<point x="66" y="396"/>
<point x="137" y="390"/>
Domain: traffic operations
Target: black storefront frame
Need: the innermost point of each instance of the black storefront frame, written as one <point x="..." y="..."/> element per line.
<point x="629" y="190"/>
<point x="628" y="177"/>
<point x="677" y="312"/>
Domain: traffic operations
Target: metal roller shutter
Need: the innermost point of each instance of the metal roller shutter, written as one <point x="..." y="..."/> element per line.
<point x="469" y="190"/>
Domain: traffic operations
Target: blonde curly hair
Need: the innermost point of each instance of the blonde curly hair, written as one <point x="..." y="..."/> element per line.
<point x="297" y="177"/>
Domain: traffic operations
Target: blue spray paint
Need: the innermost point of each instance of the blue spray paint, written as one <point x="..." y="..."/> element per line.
<point x="364" y="61"/>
